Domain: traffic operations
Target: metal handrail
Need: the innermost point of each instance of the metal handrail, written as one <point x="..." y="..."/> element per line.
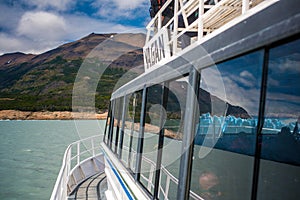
<point x="60" y="190"/>
<point x="170" y="177"/>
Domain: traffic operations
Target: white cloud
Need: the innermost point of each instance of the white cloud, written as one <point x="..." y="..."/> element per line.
<point x="116" y="9"/>
<point x="246" y="79"/>
<point x="35" y="26"/>
<point x="38" y="32"/>
<point x="11" y="43"/>
<point x="248" y="75"/>
<point x="229" y="89"/>
<point x="286" y="64"/>
<point x="43" y="4"/>
<point x="42" y="26"/>
<point x="79" y="26"/>
<point x="121" y="4"/>
<point x="125" y="5"/>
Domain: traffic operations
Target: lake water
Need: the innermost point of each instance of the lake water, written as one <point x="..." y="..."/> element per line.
<point x="31" y="153"/>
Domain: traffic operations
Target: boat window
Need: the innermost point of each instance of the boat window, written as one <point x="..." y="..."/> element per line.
<point x="279" y="176"/>
<point x="119" y="123"/>
<point x="173" y="133"/>
<point x="106" y="132"/>
<point x="151" y="135"/>
<point x="224" y="144"/>
<point x="116" y="125"/>
<point x="136" y="108"/>
<point x="129" y="127"/>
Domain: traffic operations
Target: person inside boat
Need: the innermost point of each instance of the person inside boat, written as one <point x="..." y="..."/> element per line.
<point x="209" y="186"/>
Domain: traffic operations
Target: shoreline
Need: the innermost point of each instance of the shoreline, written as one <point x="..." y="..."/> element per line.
<point x="48" y="115"/>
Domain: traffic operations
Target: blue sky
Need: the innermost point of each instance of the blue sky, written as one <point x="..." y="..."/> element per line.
<point x="35" y="26"/>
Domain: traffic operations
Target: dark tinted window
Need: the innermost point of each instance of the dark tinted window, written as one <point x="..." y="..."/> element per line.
<point x="279" y="169"/>
<point x="224" y="143"/>
<point x="136" y="114"/>
<point x="128" y="128"/>
<point x="119" y="123"/>
<point x="173" y="122"/>
<point x="151" y="135"/>
<point x="116" y="121"/>
<point x="106" y="131"/>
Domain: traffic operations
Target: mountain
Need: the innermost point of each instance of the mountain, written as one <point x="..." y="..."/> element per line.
<point x="45" y="81"/>
<point x="10" y="59"/>
<point x="87" y="70"/>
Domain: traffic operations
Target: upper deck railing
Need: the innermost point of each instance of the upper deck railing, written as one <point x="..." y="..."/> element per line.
<point x="192" y="20"/>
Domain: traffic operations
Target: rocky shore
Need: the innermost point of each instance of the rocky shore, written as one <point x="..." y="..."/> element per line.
<point x="47" y="115"/>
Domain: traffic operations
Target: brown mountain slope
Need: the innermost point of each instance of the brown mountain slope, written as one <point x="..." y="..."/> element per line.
<point x="45" y="81"/>
<point x="12" y="59"/>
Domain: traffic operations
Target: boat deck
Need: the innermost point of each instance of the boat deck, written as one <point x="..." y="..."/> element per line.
<point x="92" y="188"/>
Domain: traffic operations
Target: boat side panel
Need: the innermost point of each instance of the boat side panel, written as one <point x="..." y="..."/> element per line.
<point x="120" y="182"/>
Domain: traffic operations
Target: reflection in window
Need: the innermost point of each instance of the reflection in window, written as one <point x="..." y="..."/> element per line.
<point x="119" y="124"/>
<point x="106" y="132"/>
<point x="224" y="143"/>
<point x="136" y="114"/>
<point x="151" y="135"/>
<point x="173" y="132"/>
<point x="281" y="138"/>
<point x="128" y="128"/>
<point x="116" y="126"/>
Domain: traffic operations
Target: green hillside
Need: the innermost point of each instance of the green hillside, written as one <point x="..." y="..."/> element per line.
<point x="45" y="82"/>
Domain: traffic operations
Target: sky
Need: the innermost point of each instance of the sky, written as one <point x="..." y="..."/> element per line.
<point x="35" y="26"/>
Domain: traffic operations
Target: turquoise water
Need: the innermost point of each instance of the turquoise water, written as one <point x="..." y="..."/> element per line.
<point x="31" y="153"/>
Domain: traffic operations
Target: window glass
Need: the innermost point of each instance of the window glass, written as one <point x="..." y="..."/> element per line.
<point x="119" y="122"/>
<point x="224" y="143"/>
<point x="151" y="135"/>
<point x="137" y="106"/>
<point x="279" y="168"/>
<point x="173" y="132"/>
<point x="116" y="125"/>
<point x="111" y="125"/>
<point x="128" y="128"/>
<point x="106" y="132"/>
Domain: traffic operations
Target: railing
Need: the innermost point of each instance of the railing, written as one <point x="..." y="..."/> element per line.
<point x="169" y="177"/>
<point x="192" y="20"/>
<point x="82" y="149"/>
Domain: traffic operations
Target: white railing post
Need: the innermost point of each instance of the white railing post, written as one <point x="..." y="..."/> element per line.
<point x="200" y="19"/>
<point x="167" y="187"/>
<point x="69" y="161"/>
<point x="175" y="32"/>
<point x="245" y="6"/>
<point x="150" y="177"/>
<point x="184" y="16"/>
<point x="93" y="147"/>
<point x="78" y="152"/>
<point x="159" y="22"/>
<point x="160" y="190"/>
